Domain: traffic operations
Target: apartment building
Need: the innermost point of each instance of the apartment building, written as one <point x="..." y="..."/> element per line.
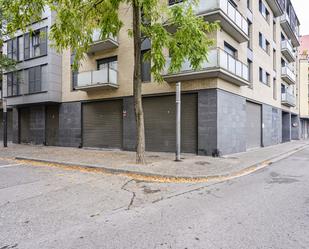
<point x="34" y="89"/>
<point x="304" y="86"/>
<point x="243" y="97"/>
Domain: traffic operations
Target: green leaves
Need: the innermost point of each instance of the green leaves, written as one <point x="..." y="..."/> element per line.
<point x="173" y="30"/>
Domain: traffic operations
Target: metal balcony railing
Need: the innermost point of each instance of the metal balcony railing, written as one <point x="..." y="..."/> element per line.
<point x="218" y="60"/>
<point x="290" y="29"/>
<point x="288" y="75"/>
<point x="286" y="45"/>
<point x="288" y="99"/>
<point x="96" y="36"/>
<point x="204" y="7"/>
<point x="104" y="77"/>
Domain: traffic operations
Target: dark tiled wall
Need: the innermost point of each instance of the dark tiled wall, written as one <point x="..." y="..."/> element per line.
<point x="231" y="123"/>
<point x="207" y="121"/>
<point x="129" y="124"/>
<point x="272" y="120"/>
<point x="70" y="124"/>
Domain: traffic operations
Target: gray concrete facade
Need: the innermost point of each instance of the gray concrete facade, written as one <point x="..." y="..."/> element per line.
<point x="51" y="88"/>
<point x="70" y="124"/>
<point x="272" y="125"/>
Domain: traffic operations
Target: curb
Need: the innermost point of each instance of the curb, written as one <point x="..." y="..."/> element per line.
<point x="144" y="176"/>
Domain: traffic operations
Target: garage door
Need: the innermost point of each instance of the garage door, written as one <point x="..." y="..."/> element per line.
<point x="52" y="125"/>
<point x="254" y="125"/>
<point x="160" y="125"/>
<point x="9" y="123"/>
<point x="102" y="124"/>
<point x="24" y="115"/>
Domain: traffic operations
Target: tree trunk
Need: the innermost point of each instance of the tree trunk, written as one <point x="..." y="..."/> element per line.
<point x="137" y="85"/>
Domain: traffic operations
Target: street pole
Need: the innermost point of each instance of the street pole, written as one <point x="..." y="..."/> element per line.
<point x="5" y="124"/>
<point x="178" y="121"/>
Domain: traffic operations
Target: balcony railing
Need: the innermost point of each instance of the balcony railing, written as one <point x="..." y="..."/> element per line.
<point x="104" y="78"/>
<point x="230" y="18"/>
<point x="99" y="44"/>
<point x="288" y="75"/>
<point x="220" y="64"/>
<point x="291" y="30"/>
<point x="288" y="99"/>
<point x="287" y="50"/>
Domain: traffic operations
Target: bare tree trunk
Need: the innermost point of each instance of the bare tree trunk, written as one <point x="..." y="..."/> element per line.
<point x="137" y="85"/>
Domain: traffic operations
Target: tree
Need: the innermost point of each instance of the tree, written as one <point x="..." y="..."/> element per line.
<point x="174" y="28"/>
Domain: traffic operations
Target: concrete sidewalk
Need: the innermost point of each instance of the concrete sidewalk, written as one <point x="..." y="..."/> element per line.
<point x="160" y="166"/>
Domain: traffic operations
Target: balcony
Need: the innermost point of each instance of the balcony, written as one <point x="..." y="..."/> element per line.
<point x="277" y="6"/>
<point x="290" y="30"/>
<point x="101" y="79"/>
<point x="220" y="64"/>
<point x="287" y="75"/>
<point x="288" y="99"/>
<point x="231" y="20"/>
<point x="287" y="51"/>
<point x="101" y="45"/>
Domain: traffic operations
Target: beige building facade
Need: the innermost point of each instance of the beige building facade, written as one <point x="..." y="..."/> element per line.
<point x="244" y="97"/>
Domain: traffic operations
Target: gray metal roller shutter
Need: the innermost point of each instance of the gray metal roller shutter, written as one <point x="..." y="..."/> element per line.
<point x="102" y="124"/>
<point x="254" y="125"/>
<point x="160" y="125"/>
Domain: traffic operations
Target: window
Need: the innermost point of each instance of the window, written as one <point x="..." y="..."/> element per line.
<point x="264" y="76"/>
<point x="274" y="60"/>
<point x="264" y="11"/>
<point x="250" y="34"/>
<point x="13" y="82"/>
<point x="36" y="44"/>
<point x="35" y="75"/>
<point x="172" y="2"/>
<point x="20" y="41"/>
<point x="274" y="30"/>
<point x="12" y="49"/>
<point x="74" y="73"/>
<point x="230" y="50"/>
<point x="146" y="67"/>
<point x="264" y="44"/>
<point x="275" y="89"/>
<point x="249" y="6"/>
<point x="110" y="66"/>
<point x="250" y="66"/>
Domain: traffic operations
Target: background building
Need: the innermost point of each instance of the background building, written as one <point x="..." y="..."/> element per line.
<point x="244" y="97"/>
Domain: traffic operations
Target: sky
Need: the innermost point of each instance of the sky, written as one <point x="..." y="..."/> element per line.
<point x="302" y="10"/>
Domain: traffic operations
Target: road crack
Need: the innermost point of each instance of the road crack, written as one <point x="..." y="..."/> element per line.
<point x="132" y="192"/>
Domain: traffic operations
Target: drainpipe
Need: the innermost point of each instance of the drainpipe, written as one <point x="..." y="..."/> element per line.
<point x="5" y="130"/>
<point x="178" y="121"/>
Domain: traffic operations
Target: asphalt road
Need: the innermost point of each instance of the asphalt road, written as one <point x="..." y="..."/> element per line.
<point x="42" y="207"/>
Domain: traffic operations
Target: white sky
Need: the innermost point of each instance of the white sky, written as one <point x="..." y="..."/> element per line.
<point x="302" y="10"/>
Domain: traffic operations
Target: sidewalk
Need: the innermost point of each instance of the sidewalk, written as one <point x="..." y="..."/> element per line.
<point x="160" y="165"/>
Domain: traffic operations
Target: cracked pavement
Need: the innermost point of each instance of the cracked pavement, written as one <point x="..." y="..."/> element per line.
<point x="43" y="207"/>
